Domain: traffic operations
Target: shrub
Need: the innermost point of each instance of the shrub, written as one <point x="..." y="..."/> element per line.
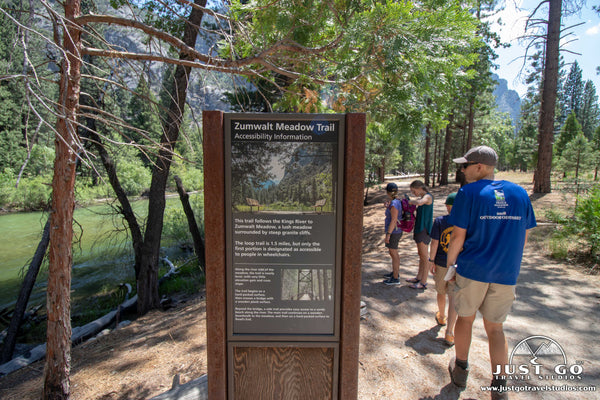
<point x="191" y="178"/>
<point x="586" y="222"/>
<point x="175" y="227"/>
<point x="134" y="177"/>
<point x="7" y="187"/>
<point x="33" y="193"/>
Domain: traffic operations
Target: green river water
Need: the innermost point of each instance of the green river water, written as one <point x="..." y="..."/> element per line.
<point x="102" y="257"/>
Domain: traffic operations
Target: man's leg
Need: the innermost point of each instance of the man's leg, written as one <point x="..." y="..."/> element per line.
<point x="459" y="366"/>
<point x="462" y="337"/>
<point x="497" y="344"/>
<point x="451" y="316"/>
<point x="498" y="356"/>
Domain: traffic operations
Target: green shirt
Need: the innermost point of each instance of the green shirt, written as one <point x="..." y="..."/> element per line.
<point x="424" y="217"/>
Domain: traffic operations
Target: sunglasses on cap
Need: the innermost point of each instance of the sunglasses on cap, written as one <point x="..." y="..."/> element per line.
<point x="466" y="165"/>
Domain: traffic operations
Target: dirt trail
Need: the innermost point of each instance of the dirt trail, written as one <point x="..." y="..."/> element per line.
<point x="402" y="355"/>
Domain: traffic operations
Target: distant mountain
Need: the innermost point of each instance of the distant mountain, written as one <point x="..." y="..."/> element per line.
<point x="507" y="100"/>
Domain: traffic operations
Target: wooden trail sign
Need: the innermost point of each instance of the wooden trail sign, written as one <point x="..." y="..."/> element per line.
<point x="283" y="221"/>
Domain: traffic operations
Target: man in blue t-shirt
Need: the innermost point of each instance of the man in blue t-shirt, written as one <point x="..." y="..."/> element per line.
<point x="491" y="219"/>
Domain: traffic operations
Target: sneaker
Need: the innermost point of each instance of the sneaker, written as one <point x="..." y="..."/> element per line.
<point x="389" y="275"/>
<point x="458" y="375"/>
<point x="392" y="281"/>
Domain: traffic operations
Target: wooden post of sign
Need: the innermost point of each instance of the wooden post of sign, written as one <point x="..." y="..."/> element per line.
<point x="354" y="172"/>
<point x="214" y="225"/>
<point x="216" y="289"/>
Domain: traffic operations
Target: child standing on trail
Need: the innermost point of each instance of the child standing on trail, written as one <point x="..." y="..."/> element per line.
<point x="393" y="209"/>
<point x="422" y="230"/>
<point x="440" y="238"/>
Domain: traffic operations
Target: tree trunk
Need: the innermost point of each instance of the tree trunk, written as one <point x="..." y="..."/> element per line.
<point x="427" y="156"/>
<point x="60" y="255"/>
<point x="189" y="213"/>
<point x="15" y="323"/>
<point x="446" y="156"/>
<point x="125" y="209"/>
<point x="381" y="171"/>
<point x="147" y="283"/>
<point x="436" y="158"/>
<point x="541" y="177"/>
<point x="471" y="128"/>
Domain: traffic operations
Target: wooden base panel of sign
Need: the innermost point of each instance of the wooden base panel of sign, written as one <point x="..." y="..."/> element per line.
<point x="282" y="372"/>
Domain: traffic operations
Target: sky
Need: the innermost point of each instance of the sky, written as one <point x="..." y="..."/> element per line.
<point x="586" y="43"/>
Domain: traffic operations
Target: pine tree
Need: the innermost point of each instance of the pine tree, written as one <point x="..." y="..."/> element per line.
<point x="573" y="91"/>
<point x="569" y="131"/>
<point x="590" y="111"/>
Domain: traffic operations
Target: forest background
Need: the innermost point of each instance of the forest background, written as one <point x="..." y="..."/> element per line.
<point x="103" y="100"/>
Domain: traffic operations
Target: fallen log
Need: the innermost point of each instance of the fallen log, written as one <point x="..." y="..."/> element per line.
<point x="193" y="390"/>
<point x="78" y="335"/>
<point x="172" y="271"/>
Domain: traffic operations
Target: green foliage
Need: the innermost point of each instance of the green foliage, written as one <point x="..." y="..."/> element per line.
<point x="586" y="222"/>
<point x="188" y="279"/>
<point x="381" y="145"/>
<point x="144" y="116"/>
<point x="134" y="177"/>
<point x="192" y="178"/>
<point x="7" y="185"/>
<point x="590" y="110"/>
<point x="176" y="231"/>
<point x="175" y="227"/>
<point x="577" y="156"/>
<point x="41" y="161"/>
<point x="496" y="131"/>
<point x="558" y="244"/>
<point x="33" y="193"/>
<point x="569" y="131"/>
<point x="86" y="190"/>
<point x="573" y="91"/>
<point x="12" y="153"/>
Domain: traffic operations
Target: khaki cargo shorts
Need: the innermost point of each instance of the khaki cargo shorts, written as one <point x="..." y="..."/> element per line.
<point x="441" y="286"/>
<point x="493" y="300"/>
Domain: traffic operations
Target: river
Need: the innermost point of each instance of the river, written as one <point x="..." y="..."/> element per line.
<point x="102" y="254"/>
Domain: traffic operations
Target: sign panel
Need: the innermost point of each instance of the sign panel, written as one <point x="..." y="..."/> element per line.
<point x="282" y="179"/>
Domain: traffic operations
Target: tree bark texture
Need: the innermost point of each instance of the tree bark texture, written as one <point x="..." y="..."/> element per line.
<point x="60" y="255"/>
<point x="446" y="153"/>
<point x="125" y="206"/>
<point x="471" y="128"/>
<point x="193" y="226"/>
<point x="541" y="177"/>
<point x="147" y="282"/>
<point x="427" y="155"/>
